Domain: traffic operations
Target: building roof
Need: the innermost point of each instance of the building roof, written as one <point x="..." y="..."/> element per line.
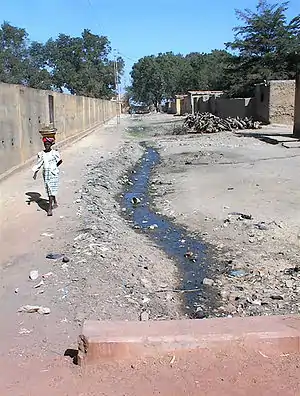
<point x="180" y="96"/>
<point x="205" y="92"/>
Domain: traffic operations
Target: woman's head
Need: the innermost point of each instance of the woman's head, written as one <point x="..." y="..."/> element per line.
<point x="48" y="143"/>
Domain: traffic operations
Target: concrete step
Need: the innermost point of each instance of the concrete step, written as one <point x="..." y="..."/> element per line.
<point x="295" y="144"/>
<point x="122" y="340"/>
<point x="275" y="139"/>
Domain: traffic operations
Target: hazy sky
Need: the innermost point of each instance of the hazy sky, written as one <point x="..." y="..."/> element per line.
<point x="134" y="27"/>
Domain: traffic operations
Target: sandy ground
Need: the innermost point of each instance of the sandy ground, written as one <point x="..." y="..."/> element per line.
<point x="233" y="371"/>
<point x="208" y="183"/>
<point x="109" y="275"/>
<point x="114" y="271"/>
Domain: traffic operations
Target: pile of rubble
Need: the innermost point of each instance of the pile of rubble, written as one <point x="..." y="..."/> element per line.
<point x="209" y="123"/>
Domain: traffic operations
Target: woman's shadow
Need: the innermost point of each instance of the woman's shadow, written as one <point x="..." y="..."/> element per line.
<point x="37" y="198"/>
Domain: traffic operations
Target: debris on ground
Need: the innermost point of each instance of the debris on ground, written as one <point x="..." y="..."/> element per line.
<point x="41" y="283"/>
<point x="209" y="123"/>
<point x="208" y="282"/>
<point x="33" y="275"/>
<point x="54" y="256"/>
<point x="135" y="201"/>
<point x="144" y="316"/>
<point x="34" y="308"/>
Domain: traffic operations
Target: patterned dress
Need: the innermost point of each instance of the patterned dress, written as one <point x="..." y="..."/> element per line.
<point x="48" y="161"/>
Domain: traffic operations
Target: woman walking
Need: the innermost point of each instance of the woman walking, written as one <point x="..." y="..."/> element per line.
<point x="49" y="160"/>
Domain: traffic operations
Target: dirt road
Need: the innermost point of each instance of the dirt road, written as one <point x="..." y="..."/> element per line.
<point x="113" y="272"/>
<point x="241" y="195"/>
<point x="237" y="194"/>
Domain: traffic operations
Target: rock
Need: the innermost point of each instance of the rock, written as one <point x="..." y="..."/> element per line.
<point x="46" y="234"/>
<point x="39" y="284"/>
<point x="257" y="302"/>
<point x="239" y="273"/>
<point x="153" y="227"/>
<point x="17" y="290"/>
<point x="242" y="216"/>
<point x="277" y="297"/>
<point x="44" y="311"/>
<point x="289" y="283"/>
<point x="34" y="308"/>
<point x="47" y="275"/>
<point x="146" y="300"/>
<point x="54" y="256"/>
<point x="33" y="275"/>
<point x="135" y="201"/>
<point x="207" y="282"/>
<point x="65" y="259"/>
<point x="262" y="226"/>
<point x="144" y="316"/>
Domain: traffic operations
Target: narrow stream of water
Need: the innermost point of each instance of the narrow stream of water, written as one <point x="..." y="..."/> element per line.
<point x="189" y="253"/>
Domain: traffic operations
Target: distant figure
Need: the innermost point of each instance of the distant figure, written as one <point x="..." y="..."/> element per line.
<point x="49" y="160"/>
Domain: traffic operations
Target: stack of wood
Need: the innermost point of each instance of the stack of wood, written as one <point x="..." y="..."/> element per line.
<point x="209" y="123"/>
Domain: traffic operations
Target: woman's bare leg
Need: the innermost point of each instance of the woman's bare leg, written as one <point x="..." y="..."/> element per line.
<point x="55" y="204"/>
<point x="49" y="213"/>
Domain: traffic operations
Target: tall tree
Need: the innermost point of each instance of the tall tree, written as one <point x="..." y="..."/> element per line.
<point x="14" y="63"/>
<point x="264" y="45"/>
<point x="82" y="64"/>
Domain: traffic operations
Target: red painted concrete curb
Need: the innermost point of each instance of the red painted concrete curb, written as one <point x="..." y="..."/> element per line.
<point x="121" y="340"/>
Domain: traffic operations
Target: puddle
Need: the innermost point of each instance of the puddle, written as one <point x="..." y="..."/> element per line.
<point x="190" y="254"/>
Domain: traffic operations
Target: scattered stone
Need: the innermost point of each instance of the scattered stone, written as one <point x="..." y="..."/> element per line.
<point x="243" y="216"/>
<point x="146" y="300"/>
<point x="54" y="256"/>
<point x="239" y="273"/>
<point x="24" y="331"/>
<point x="289" y="283"/>
<point x="34" y="309"/>
<point x="47" y="275"/>
<point x="46" y="234"/>
<point x="135" y="201"/>
<point x="277" y="297"/>
<point x="153" y="227"/>
<point x="39" y="284"/>
<point x="207" y="282"/>
<point x="33" y="275"/>
<point x="144" y="316"/>
<point x="262" y="226"/>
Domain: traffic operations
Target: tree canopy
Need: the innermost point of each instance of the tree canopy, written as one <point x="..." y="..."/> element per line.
<point x="82" y="65"/>
<point x="266" y="46"/>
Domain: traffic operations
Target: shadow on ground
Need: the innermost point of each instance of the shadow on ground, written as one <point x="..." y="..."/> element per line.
<point x="37" y="198"/>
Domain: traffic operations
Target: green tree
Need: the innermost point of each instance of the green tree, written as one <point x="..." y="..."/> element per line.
<point x="264" y="44"/>
<point x="14" y="62"/>
<point x="82" y="64"/>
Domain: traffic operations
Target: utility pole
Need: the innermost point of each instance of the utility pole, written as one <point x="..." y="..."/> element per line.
<point x="117" y="86"/>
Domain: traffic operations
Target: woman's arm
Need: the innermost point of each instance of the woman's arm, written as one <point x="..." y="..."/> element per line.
<point x="38" y="165"/>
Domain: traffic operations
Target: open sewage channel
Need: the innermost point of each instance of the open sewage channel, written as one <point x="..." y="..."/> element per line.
<point x="191" y="255"/>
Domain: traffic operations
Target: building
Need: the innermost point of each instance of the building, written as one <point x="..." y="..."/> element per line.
<point x="275" y="102"/>
<point x="200" y="100"/>
<point x="297" y="109"/>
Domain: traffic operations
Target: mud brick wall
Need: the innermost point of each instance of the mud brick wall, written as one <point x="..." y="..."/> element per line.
<point x="23" y="110"/>
<point x="275" y="102"/>
<point x="297" y="109"/>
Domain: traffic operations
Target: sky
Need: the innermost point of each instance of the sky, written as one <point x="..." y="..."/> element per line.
<point x="135" y="28"/>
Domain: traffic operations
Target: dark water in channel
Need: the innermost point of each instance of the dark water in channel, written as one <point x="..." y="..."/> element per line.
<point x="189" y="253"/>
